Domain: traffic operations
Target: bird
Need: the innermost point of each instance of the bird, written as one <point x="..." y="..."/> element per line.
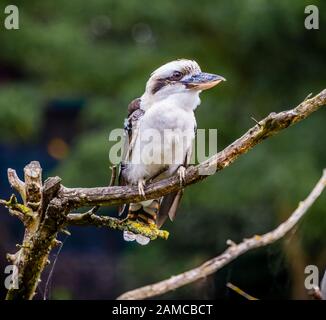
<point x="159" y="130"/>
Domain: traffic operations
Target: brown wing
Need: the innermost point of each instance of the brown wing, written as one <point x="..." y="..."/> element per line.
<point x="131" y="127"/>
<point x="169" y="207"/>
<point x="133" y="106"/>
<point x="170" y="202"/>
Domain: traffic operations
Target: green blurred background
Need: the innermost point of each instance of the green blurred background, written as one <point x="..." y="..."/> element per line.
<point x="66" y="78"/>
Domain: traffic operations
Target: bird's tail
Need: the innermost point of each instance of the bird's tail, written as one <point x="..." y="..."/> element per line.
<point x="145" y="212"/>
<point x="153" y="212"/>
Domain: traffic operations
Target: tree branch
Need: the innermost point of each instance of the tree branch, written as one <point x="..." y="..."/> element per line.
<point x="136" y="227"/>
<point x="42" y="220"/>
<point x="18" y="210"/>
<point x="271" y="125"/>
<point x="240" y="292"/>
<point x="234" y="251"/>
<point x="50" y="189"/>
<point x="16" y="183"/>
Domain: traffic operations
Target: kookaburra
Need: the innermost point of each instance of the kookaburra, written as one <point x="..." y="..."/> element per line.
<point x="160" y="130"/>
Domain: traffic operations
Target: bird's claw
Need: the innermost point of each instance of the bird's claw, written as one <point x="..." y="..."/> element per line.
<point x="141" y="188"/>
<point x="130" y="236"/>
<point x="142" y="240"/>
<point x="182" y="175"/>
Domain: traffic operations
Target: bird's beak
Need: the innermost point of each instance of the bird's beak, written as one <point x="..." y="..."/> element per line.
<point x="203" y="81"/>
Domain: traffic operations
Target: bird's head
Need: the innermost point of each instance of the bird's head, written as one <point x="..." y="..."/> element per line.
<point x="180" y="78"/>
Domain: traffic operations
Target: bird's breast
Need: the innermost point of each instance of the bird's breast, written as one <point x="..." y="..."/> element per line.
<point x="164" y="117"/>
<point x="165" y="135"/>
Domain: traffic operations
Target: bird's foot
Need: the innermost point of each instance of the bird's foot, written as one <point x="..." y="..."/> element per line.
<point x="130" y="236"/>
<point x="141" y="187"/>
<point x="138" y="226"/>
<point x="142" y="239"/>
<point x="182" y="175"/>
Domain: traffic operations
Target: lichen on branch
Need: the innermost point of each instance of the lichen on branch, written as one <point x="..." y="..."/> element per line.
<point x="137" y="227"/>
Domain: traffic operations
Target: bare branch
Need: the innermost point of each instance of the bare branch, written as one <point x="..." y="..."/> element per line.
<point x="40" y="229"/>
<point x="240" y="292"/>
<point x="50" y="190"/>
<point x="36" y="248"/>
<point x="271" y="125"/>
<point x="16" y="183"/>
<point x="33" y="183"/>
<point x="234" y="251"/>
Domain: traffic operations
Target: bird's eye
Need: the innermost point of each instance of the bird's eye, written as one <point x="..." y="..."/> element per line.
<point x="177" y="75"/>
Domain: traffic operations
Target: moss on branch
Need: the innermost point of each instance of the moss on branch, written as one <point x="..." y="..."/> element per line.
<point x="137" y="227"/>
